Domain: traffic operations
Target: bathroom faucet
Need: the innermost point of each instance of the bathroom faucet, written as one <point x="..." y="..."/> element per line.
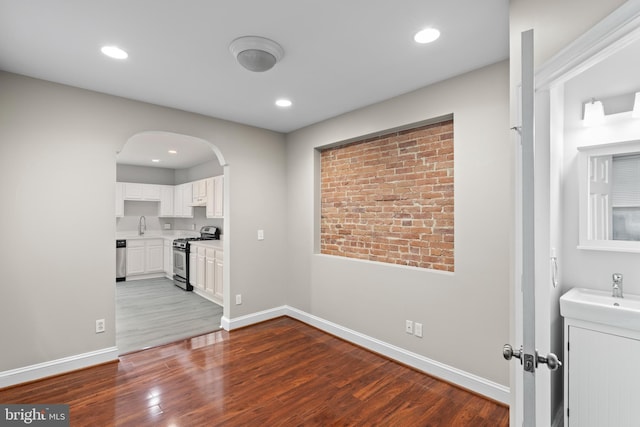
<point x="142" y="225"/>
<point x="617" y="285"/>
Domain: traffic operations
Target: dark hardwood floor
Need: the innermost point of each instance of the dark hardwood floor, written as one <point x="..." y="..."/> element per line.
<point x="278" y="373"/>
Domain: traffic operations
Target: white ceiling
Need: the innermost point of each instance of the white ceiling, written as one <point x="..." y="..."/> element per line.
<point x="339" y="55"/>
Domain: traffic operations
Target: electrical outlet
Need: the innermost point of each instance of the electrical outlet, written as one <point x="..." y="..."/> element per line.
<point x="417" y="329"/>
<point x="167" y="226"/>
<point x="100" y="326"/>
<point x="408" y="327"/>
<point x="238" y="299"/>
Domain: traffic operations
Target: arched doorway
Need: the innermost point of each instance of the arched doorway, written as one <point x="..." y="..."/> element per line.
<point x="173" y="168"/>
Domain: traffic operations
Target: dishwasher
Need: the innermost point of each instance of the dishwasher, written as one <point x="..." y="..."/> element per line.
<point x="121" y="260"/>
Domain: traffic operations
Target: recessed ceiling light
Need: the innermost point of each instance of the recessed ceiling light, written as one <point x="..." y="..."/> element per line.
<point x="114" y="52"/>
<point x="427" y="35"/>
<point x="283" y="103"/>
<point x="173" y="152"/>
<point x="155" y="160"/>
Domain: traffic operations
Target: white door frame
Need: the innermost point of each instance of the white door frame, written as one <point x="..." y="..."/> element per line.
<point x="613" y="33"/>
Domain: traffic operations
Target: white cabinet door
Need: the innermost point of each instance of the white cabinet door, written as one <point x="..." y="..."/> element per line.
<point x="210" y="261"/>
<point x="217" y="290"/>
<point x="218" y="194"/>
<point x="177" y="200"/>
<point x="151" y="192"/>
<point x="201" y="269"/>
<point x="604" y="379"/>
<point x="132" y="191"/>
<point x="166" y="200"/>
<point x="187" y="195"/>
<point x="210" y="198"/>
<point x="193" y="261"/>
<point x="168" y="258"/>
<point x="154" y="256"/>
<point x="199" y="191"/>
<point x="135" y="257"/>
<point x="119" y="199"/>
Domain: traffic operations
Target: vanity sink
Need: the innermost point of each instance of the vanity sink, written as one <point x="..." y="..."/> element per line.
<point x="601" y="307"/>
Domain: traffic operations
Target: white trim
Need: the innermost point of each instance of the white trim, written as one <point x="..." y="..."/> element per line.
<point x="448" y="373"/>
<point x="57" y="367"/>
<point x="615" y="32"/>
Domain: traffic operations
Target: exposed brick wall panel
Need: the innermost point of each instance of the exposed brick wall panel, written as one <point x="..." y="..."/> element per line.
<point x="390" y="198"/>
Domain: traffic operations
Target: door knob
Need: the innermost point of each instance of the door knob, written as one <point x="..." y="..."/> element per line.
<point x="508" y="352"/>
<point x="551" y="360"/>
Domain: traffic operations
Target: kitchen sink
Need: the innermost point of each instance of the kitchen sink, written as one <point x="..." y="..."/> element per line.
<point x="600" y="307"/>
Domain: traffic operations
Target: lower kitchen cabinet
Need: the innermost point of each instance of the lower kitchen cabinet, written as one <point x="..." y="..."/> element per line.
<point x="208" y="272"/>
<point x="168" y="258"/>
<point x="145" y="256"/>
<point x="135" y="257"/>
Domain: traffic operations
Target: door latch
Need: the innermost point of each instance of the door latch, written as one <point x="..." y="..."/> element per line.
<point x="531" y="361"/>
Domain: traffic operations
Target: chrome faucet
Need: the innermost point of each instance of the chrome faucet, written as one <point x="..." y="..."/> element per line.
<point x="142" y="225"/>
<point x="617" y="285"/>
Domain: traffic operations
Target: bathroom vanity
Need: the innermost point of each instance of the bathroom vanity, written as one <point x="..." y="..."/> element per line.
<point x="602" y="358"/>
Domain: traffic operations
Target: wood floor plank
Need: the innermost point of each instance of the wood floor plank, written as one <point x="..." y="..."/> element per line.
<point x="277" y="373"/>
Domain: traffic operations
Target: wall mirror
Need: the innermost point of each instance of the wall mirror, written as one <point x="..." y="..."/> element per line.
<point x="610" y="196"/>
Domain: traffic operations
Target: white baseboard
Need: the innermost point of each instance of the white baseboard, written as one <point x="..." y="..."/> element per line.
<point x="56" y="367"/>
<point x="453" y="375"/>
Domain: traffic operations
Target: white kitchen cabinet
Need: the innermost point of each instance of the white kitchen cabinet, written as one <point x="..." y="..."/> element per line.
<point x="217" y="288"/>
<point x="218" y="194"/>
<point x="137" y="191"/>
<point x="199" y="192"/>
<point x="144" y="256"/>
<point x="135" y="257"/>
<point x="201" y="269"/>
<point x="132" y="191"/>
<point x="119" y="199"/>
<point x="166" y="201"/>
<point x="168" y="258"/>
<point x="182" y="201"/>
<point x="151" y="192"/>
<point x="210" y="277"/>
<point x="210" y="199"/>
<point x="154" y="255"/>
<point x="215" y="197"/>
<point x="208" y="272"/>
<point x="193" y="262"/>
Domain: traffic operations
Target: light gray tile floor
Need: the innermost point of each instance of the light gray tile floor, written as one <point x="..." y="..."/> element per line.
<point x="153" y="312"/>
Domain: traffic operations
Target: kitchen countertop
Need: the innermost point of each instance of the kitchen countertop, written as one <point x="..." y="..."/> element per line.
<point x="173" y="234"/>
<point x="215" y="244"/>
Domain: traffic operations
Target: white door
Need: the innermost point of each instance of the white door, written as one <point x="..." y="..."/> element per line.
<point x="527" y="407"/>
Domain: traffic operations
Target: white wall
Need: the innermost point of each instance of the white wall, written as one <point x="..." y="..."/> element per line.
<point x="57" y="173"/>
<point x="465" y="314"/>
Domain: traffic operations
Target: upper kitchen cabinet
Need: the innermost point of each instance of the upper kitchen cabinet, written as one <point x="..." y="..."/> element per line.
<point x="135" y="191"/>
<point x="215" y="197"/>
<point x="183" y="198"/>
<point x="119" y="199"/>
<point x="199" y="189"/>
<point x="166" y="201"/>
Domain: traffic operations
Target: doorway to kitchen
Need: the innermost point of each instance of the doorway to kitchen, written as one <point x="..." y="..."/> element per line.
<point x="169" y="187"/>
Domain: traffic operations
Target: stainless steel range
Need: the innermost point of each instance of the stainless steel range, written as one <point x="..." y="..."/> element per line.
<point x="181" y="252"/>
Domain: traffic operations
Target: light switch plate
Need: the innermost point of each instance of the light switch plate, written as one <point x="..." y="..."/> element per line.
<point x="260" y="234"/>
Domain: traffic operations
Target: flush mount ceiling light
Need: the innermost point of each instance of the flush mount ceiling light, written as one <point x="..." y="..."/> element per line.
<point x="427" y="35"/>
<point x="256" y="53"/>
<point x="593" y="113"/>
<point x="155" y="160"/>
<point x="172" y="152"/>
<point x="114" y="52"/>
